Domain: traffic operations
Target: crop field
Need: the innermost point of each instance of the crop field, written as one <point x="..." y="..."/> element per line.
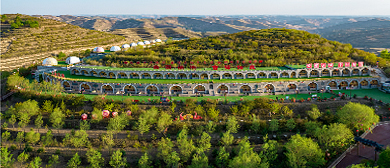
<point x="68" y="76"/>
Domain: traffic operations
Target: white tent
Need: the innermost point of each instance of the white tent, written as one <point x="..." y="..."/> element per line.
<point x="98" y="49"/>
<point x="133" y="45"/>
<point x="115" y="48"/>
<point x="158" y="41"/>
<point x="140" y="43"/>
<point x="125" y="46"/>
<point x="153" y="41"/>
<point x="49" y="61"/>
<point x="146" y="42"/>
<point x="72" y="60"/>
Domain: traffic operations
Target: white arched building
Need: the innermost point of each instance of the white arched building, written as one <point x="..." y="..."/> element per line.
<point x="115" y="48"/>
<point x="72" y="60"/>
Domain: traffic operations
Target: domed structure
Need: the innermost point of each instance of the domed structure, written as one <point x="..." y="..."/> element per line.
<point x="115" y="48"/>
<point x="125" y="46"/>
<point x="72" y="60"/>
<point x="133" y="45"/>
<point x="140" y="43"/>
<point x="158" y="41"/>
<point x="98" y="49"/>
<point x="49" y="62"/>
<point x="153" y="41"/>
<point x="146" y="42"/>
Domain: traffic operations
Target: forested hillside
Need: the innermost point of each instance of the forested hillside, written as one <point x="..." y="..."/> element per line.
<point x="30" y="38"/>
<point x="276" y="47"/>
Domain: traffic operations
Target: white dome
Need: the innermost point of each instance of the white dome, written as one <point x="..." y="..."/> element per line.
<point x="158" y="41"/>
<point x="125" y="46"/>
<point x="72" y="60"/>
<point x="98" y="49"/>
<point x="49" y="62"/>
<point x="115" y="48"/>
<point x="153" y="41"/>
<point x="133" y="45"/>
<point x="146" y="42"/>
<point x="140" y="43"/>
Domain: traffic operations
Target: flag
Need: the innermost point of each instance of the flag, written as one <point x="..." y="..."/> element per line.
<point x="323" y="65"/>
<point x="308" y="65"/>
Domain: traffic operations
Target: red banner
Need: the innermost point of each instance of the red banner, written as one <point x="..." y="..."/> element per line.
<point x="323" y="65"/>
<point x="353" y="64"/>
<point x="330" y="65"/>
<point x="360" y="64"/>
<point x="308" y="65"/>
<point x="316" y="65"/>
<point x="347" y="64"/>
<point x="340" y="64"/>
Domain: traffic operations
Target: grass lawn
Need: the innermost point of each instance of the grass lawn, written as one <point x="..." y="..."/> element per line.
<point x="68" y="76"/>
<point x="374" y="93"/>
<point x="62" y="64"/>
<point x="198" y="69"/>
<point x="297" y="66"/>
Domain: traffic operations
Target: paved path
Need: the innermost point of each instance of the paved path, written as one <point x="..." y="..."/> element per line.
<point x="382" y="76"/>
<point x="380" y="134"/>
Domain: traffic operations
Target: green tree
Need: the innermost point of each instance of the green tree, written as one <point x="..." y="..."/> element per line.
<point x="79" y="139"/>
<point x="12" y="120"/>
<point x="53" y="160"/>
<point x="5" y="136"/>
<point x="314" y="113"/>
<point x="200" y="110"/>
<point x="311" y="127"/>
<point x="222" y="157"/>
<point x="75" y="161"/>
<point x="144" y="161"/>
<point x="143" y="125"/>
<point x="166" y="153"/>
<point x="275" y="108"/>
<point x="384" y="158"/>
<point x="212" y="112"/>
<point x="358" y="166"/>
<point x="290" y="124"/>
<point x="22" y="158"/>
<point x="47" y="107"/>
<point x="38" y="122"/>
<point x="356" y="116"/>
<point x="303" y="152"/>
<point x="269" y="151"/>
<point x="163" y="122"/>
<point x="32" y="137"/>
<point x="199" y="161"/>
<point x="48" y="138"/>
<point x="24" y="120"/>
<point x="210" y="127"/>
<point x="186" y="147"/>
<point x="204" y="142"/>
<point x="84" y="125"/>
<point x="274" y="125"/>
<point x="173" y="106"/>
<point x="118" y="123"/>
<point x="36" y="163"/>
<point x="227" y="139"/>
<point x="335" y="137"/>
<point x="256" y="124"/>
<point x="57" y="119"/>
<point x="94" y="158"/>
<point x="20" y="138"/>
<point x="246" y="157"/>
<point x="232" y="124"/>
<point x="6" y="158"/>
<point x="117" y="160"/>
<point x="234" y="110"/>
<point x="108" y="141"/>
<point x="287" y="111"/>
<point x="146" y="120"/>
<point x="30" y="107"/>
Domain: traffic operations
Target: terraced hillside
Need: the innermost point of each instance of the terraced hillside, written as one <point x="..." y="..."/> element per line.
<point x="24" y="45"/>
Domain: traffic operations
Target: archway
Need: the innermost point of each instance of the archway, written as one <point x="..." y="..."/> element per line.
<point x="262" y="75"/>
<point x="293" y="75"/>
<point x="199" y="89"/>
<point x="273" y="75"/>
<point x="112" y="75"/>
<point x="343" y="85"/>
<point x="355" y="72"/>
<point x="169" y="76"/>
<point x="365" y="71"/>
<point x="176" y="90"/>
<point x="284" y="75"/>
<point x="223" y="89"/>
<point x="239" y="76"/>
<point x="146" y="76"/>
<point x="75" y="71"/>
<point x="314" y="73"/>
<point x="291" y="87"/>
<point x="374" y="84"/>
<point x="66" y="85"/>
<point x="194" y="76"/>
<point x="269" y="88"/>
<point x="157" y="76"/>
<point x="181" y="76"/>
<point x="303" y="74"/>
<point x="336" y="72"/>
<point x="130" y="89"/>
<point x="245" y="89"/>
<point x="107" y="89"/>
<point x="122" y="75"/>
<point x="84" y="72"/>
<point x="363" y="83"/>
<point x="227" y="76"/>
<point x="214" y="76"/>
<point x="346" y="72"/>
<point x="134" y="76"/>
<point x="325" y="72"/>
<point x="353" y="84"/>
<point x="332" y="85"/>
<point x="313" y="86"/>
<point x="204" y="76"/>
<point x="85" y="87"/>
<point x="151" y="89"/>
<point x="93" y="73"/>
<point x="103" y="74"/>
<point x="250" y="75"/>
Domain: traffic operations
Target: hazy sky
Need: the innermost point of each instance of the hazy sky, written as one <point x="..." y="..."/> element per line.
<point x="198" y="7"/>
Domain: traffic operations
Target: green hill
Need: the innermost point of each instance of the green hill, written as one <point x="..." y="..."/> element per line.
<point x="277" y="47"/>
<point x="44" y="38"/>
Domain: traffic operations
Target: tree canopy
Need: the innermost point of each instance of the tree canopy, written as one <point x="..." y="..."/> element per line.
<point x="303" y="152"/>
<point x="357" y="116"/>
